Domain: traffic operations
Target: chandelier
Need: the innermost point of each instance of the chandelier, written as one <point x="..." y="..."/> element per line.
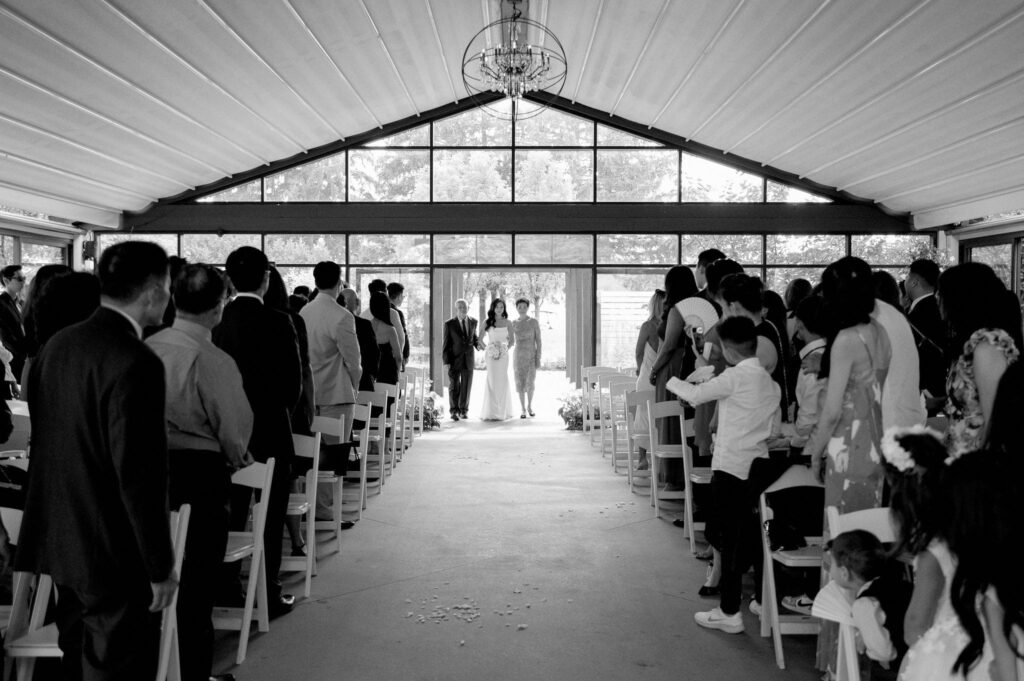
<point x="513" y="57"/>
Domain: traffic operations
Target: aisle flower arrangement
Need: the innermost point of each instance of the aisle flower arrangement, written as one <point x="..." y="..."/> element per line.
<point x="571" y="410"/>
<point x="432" y="412"/>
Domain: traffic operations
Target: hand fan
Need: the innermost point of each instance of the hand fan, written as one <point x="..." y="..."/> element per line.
<point x="701" y="374"/>
<point x="697" y="313"/>
<point x="833" y="604"/>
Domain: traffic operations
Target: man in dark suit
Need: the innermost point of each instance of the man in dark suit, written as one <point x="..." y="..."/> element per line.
<point x="369" y="351"/>
<point x="264" y="345"/>
<point x="12" y="326"/>
<point x="457" y="353"/>
<point x="705" y="258"/>
<point x="929" y="329"/>
<point x="396" y="292"/>
<point x="96" y="510"/>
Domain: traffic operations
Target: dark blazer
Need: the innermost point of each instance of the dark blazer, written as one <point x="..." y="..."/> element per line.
<point x="12" y="332"/>
<point x="264" y="344"/>
<point x="369" y="352"/>
<point x="930" y="337"/>
<point x="305" y="408"/>
<point x="96" y="512"/>
<point x="458" y="349"/>
<point x="405" y="331"/>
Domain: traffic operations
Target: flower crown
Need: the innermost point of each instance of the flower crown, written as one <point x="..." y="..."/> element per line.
<point x="895" y="455"/>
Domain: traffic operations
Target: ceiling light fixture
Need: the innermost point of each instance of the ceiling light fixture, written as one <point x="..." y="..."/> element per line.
<point x="514" y="57"/>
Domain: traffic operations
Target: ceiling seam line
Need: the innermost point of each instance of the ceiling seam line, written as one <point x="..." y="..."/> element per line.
<point x="927" y="118"/>
<point x="955" y="52"/>
<point x="95" y="63"/>
<point x="440" y="48"/>
<point x="54" y="197"/>
<point x="636" y="64"/>
<point x="590" y="46"/>
<point x="337" y="68"/>
<point x="963" y="202"/>
<point x="846" y="62"/>
<point x="73" y="175"/>
<point x="387" y="53"/>
<point x="197" y="72"/>
<point x="953" y="178"/>
<point x="700" y="60"/>
<point x="103" y="117"/>
<point x="113" y="159"/>
<point x="764" y="64"/>
<point x="252" y="51"/>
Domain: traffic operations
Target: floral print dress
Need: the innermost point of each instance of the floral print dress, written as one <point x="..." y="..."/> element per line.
<point x="966" y="431"/>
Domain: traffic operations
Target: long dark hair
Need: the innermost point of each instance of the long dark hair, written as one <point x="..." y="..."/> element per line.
<point x="972" y="297"/>
<point x="986" y="504"/>
<point x="67" y="299"/>
<point x="679" y="284"/>
<point x="44" y="275"/>
<point x="380" y="307"/>
<point x="849" y="292"/>
<point x="276" y="297"/>
<point x="917" y="502"/>
<point x="492" y="314"/>
<point x="796" y="291"/>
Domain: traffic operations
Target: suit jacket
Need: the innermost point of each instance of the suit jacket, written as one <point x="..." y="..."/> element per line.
<point x="333" y="350"/>
<point x="264" y="345"/>
<point x="369" y="352"/>
<point x="96" y="510"/>
<point x="405" y="335"/>
<point x="930" y="335"/>
<point x="459" y="349"/>
<point x="12" y="332"/>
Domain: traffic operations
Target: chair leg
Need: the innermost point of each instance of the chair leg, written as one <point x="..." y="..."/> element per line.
<point x="310" y="548"/>
<point x="262" y="602"/>
<point x="688" y="508"/>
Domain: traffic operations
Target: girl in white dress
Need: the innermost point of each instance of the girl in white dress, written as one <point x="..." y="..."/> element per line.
<point x="498" y="399"/>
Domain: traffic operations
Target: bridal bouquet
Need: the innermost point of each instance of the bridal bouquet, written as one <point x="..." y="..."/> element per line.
<point x="497" y="350"/>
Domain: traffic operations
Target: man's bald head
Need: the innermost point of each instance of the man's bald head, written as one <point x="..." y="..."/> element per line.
<point x="351" y="299"/>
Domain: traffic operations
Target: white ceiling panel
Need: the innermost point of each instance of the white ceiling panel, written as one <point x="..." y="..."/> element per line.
<point x="107" y="104"/>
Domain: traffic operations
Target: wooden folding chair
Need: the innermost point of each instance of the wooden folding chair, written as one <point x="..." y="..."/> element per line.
<point x="773" y="623"/>
<point x="878" y="522"/>
<point x="659" y="452"/>
<point x="636" y="402"/>
<point x="242" y="545"/>
<point x="29" y="637"/>
<point x="304" y="504"/>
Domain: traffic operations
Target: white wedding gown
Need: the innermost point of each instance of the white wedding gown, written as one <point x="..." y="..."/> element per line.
<point x="498" y="399"/>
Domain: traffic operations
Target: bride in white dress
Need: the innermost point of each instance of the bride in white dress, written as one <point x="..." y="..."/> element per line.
<point x="498" y="398"/>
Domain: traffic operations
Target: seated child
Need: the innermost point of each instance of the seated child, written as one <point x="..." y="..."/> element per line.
<point x="748" y="413"/>
<point x="881" y="595"/>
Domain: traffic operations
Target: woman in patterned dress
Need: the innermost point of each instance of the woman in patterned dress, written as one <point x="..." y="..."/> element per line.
<point x="526" y="330"/>
<point x="845" y="448"/>
<point x="985" y="332"/>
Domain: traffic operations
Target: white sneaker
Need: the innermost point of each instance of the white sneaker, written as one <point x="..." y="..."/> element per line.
<point x="755" y="607"/>
<point x="716" y="619"/>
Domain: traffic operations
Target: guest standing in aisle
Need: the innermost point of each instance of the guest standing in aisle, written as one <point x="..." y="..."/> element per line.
<point x="457" y="353"/>
<point x="12" y="329"/>
<point x="396" y="293"/>
<point x="526" y="331"/>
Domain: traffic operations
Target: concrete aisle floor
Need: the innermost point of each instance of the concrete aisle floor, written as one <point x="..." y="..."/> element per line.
<point x="508" y="551"/>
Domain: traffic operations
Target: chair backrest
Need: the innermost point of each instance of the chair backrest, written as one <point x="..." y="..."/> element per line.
<point x="664" y="410"/>
<point x="329" y="425"/>
<point x="638" y="398"/>
<point x="877" y="521"/>
<point x="308" y="447"/>
<point x="256" y="475"/>
<point x="390" y="389"/>
<point x="169" y="619"/>
<point x="376" y="399"/>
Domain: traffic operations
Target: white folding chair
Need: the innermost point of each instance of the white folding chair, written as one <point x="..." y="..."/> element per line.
<point x="773" y="623"/>
<point x="363" y="439"/>
<point x="660" y="452"/>
<point x="375" y="452"/>
<point x="29" y="637"/>
<point x="878" y="522"/>
<point x="693" y="476"/>
<point x="602" y="394"/>
<point x="304" y="504"/>
<point x="636" y="403"/>
<point x="591" y="413"/>
<point x="391" y="412"/>
<point x="242" y="545"/>
<point x="419" y="397"/>
<point x="332" y="426"/>
<point x="618" y="415"/>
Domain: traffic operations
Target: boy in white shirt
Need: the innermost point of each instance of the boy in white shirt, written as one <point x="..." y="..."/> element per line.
<point x="748" y="415"/>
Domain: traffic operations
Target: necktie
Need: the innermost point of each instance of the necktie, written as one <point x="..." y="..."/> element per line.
<point x="465" y="329"/>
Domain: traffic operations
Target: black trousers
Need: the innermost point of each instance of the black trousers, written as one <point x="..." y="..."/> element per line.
<point x="203" y="480"/>
<point x="735" y="536"/>
<point x="460" y="383"/>
<point x="108" y="637"/>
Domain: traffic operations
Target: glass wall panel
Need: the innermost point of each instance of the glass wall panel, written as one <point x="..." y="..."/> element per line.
<point x="890" y="249"/>
<point x="622" y="298"/>
<point x="322" y="180"/>
<point x="415" y="307"/>
<point x="805" y="249"/>
<point x="250" y="191"/>
<point x="707" y="181"/>
<point x="169" y="242"/>
<point x="305" y="248"/>
<point x="554" y="249"/>
<point x="213" y="249"/>
<point x="997" y="256"/>
<point x="417" y="137"/>
<point x="783" y="193"/>
<point x="611" y="137"/>
<point x="389" y="175"/>
<point x="554" y="175"/>
<point x="473" y="175"/>
<point x="297" y="276"/>
<point x="778" y="278"/>
<point x="743" y="248"/>
<point x="389" y="249"/>
<point x="552" y="128"/>
<point x="637" y="249"/>
<point x="7" y="250"/>
<point x="474" y="128"/>
<point x="473" y="249"/>
<point x="644" y="175"/>
<point x="34" y="256"/>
